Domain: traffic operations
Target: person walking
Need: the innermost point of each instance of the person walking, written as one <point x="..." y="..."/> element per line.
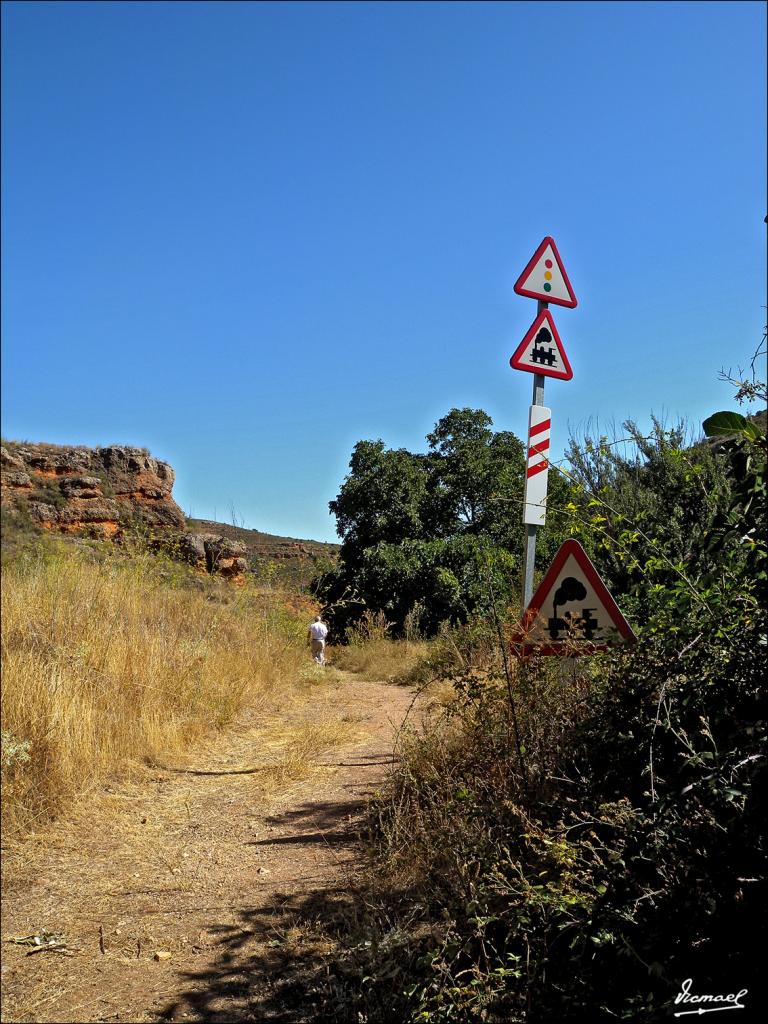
<point x="318" y="631"/>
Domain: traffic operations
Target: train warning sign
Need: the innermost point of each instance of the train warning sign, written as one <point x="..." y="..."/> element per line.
<point x="541" y="350"/>
<point x="571" y="613"/>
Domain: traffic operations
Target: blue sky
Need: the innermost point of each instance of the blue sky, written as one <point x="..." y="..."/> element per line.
<point x="246" y="236"/>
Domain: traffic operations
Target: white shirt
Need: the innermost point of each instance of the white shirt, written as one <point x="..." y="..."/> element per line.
<point x="318" y="631"/>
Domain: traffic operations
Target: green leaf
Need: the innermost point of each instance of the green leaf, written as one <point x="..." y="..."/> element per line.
<point x="753" y="432"/>
<point x="724" y="423"/>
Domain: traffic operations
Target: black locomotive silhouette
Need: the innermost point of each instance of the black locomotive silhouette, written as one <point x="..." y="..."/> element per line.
<point x="544" y="356"/>
<point x="577" y="626"/>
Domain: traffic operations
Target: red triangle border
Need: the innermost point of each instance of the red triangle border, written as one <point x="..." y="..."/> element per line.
<point x="570" y="303"/>
<point x="567" y="548"/>
<point x="515" y="363"/>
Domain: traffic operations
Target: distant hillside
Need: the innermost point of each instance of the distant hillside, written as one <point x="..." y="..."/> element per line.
<point x="262" y="548"/>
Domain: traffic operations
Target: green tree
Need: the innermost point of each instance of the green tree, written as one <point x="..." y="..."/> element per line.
<point x="424" y="529"/>
<point x="447" y="579"/>
<point x="380" y="500"/>
<point x="468" y="465"/>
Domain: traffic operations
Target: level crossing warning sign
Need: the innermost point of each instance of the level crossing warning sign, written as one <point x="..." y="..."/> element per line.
<point x="541" y="350"/>
<point x="545" y="278"/>
<point x="571" y="612"/>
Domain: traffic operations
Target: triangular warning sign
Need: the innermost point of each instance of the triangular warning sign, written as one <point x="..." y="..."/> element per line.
<point x="541" y="350"/>
<point x="545" y="277"/>
<point x="571" y="612"/>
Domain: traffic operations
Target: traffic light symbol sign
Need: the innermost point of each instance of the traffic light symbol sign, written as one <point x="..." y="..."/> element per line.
<point x="545" y="278"/>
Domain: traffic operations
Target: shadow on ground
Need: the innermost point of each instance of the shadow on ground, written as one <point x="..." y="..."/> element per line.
<point x="367" y="762"/>
<point x="259" y="976"/>
<point x="274" y="964"/>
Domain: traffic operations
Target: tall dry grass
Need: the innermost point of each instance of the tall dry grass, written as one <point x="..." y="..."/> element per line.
<point x="112" y="662"/>
<point x="381" y="660"/>
<point x="374" y="655"/>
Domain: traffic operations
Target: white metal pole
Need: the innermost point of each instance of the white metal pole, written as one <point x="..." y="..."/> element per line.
<point x="530" y="531"/>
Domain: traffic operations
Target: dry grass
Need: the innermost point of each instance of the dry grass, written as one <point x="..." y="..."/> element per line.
<point x="292" y="752"/>
<point x="380" y="659"/>
<point x="374" y="655"/>
<point x="108" y="663"/>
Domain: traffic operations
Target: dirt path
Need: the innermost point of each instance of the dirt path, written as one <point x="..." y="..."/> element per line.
<point x="210" y="863"/>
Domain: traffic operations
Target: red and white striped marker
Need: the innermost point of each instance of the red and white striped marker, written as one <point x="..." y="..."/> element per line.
<point x="537" y="466"/>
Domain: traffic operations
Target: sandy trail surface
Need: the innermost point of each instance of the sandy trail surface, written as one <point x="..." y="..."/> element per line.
<point x="200" y="892"/>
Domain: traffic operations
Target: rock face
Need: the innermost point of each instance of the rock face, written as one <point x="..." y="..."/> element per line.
<point x="215" y="554"/>
<point x="89" y="490"/>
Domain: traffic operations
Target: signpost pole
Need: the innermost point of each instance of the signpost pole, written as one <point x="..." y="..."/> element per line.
<point x="530" y="531"/>
<point x="589" y="617"/>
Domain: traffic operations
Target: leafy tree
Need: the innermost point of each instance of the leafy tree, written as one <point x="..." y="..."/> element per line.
<point x="471" y="468"/>
<point x="380" y="500"/>
<point x="445" y="579"/>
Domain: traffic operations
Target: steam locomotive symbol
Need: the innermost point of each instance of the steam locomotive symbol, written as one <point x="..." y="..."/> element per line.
<point x="577" y="626"/>
<point x="539" y="354"/>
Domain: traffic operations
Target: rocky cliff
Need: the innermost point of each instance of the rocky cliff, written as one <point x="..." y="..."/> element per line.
<point x="214" y="554"/>
<point x="89" y="490"/>
<point x="103" y="492"/>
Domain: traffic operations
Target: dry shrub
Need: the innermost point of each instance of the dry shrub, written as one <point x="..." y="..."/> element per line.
<point x="462" y="751"/>
<point x="104" y="663"/>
